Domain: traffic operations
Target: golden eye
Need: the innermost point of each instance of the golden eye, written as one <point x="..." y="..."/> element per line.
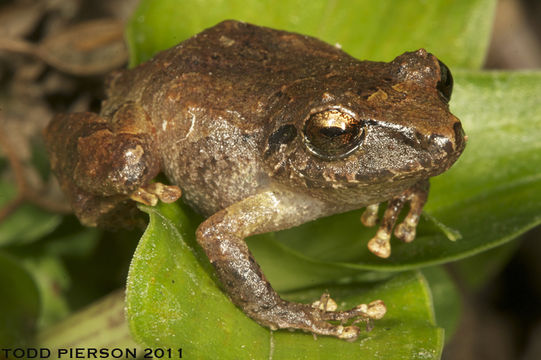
<point x="333" y="134"/>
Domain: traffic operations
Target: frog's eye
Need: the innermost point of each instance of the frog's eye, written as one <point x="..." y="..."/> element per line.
<point x="333" y="134"/>
<point x="445" y="85"/>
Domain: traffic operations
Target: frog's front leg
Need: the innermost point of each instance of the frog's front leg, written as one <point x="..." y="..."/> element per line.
<point x="222" y="237"/>
<point x="416" y="195"/>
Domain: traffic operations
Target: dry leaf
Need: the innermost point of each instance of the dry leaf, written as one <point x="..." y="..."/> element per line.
<point x="90" y="48"/>
<point x="19" y="19"/>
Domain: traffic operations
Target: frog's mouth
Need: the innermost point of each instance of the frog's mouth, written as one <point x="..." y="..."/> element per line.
<point x="445" y="150"/>
<point x="395" y="153"/>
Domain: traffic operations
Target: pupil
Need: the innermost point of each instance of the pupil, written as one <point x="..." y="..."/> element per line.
<point x="332" y="131"/>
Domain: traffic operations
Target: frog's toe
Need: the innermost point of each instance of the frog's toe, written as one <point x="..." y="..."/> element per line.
<point x="151" y="193"/>
<point x="406" y="230"/>
<point x="361" y="313"/>
<point x="325" y="311"/>
<point x="144" y="197"/>
<point x="375" y="310"/>
<point x="166" y="193"/>
<point x="325" y="303"/>
<point x="370" y="215"/>
<point x="348" y="333"/>
<point x="380" y="244"/>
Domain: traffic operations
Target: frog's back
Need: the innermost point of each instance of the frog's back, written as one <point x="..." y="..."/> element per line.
<point x="234" y="67"/>
<point x="213" y="96"/>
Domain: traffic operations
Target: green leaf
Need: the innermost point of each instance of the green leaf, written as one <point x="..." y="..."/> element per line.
<point x="279" y="261"/>
<point x="19" y="303"/>
<point x="476" y="271"/>
<point x="457" y="31"/>
<point x="101" y="325"/>
<point x="28" y="223"/>
<point x="52" y="281"/>
<point x="447" y="302"/>
<point x="173" y="300"/>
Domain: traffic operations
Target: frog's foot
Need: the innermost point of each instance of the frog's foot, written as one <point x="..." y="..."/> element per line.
<point x="316" y="318"/>
<point x="380" y="244"/>
<point x="151" y="193"/>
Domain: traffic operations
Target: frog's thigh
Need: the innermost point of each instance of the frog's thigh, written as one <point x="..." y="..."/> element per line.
<point x="131" y="118"/>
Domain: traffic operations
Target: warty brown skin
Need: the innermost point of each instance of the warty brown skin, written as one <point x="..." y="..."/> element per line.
<point x="264" y="130"/>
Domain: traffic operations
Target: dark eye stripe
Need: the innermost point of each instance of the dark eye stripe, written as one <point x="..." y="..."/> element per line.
<point x="284" y="135"/>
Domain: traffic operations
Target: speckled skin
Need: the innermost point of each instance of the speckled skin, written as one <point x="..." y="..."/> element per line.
<point x="224" y="114"/>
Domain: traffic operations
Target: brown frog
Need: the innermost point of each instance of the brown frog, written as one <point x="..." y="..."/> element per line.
<point x="264" y="130"/>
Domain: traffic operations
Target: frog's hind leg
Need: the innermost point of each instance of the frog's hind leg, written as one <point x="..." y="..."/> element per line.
<point x="101" y="162"/>
<point x="222" y="237"/>
<point x="380" y="244"/>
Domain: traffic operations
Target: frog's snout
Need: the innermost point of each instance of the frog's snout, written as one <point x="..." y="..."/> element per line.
<point x="460" y="137"/>
<point x="447" y="147"/>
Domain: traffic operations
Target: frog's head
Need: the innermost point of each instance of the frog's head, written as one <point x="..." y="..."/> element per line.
<point x="368" y="123"/>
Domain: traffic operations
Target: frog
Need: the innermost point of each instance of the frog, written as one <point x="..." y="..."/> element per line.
<point x="262" y="130"/>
